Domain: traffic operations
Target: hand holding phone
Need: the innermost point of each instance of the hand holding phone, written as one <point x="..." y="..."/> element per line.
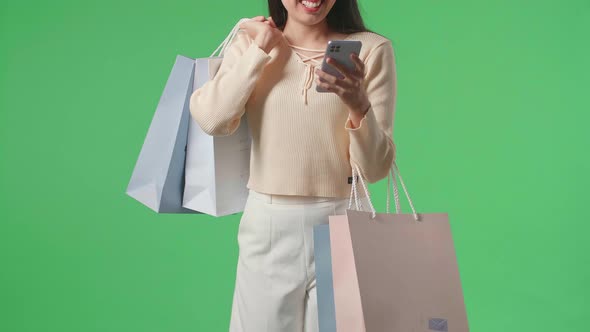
<point x="340" y="51"/>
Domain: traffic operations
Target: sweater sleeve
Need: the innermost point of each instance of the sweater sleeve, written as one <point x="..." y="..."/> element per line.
<point x="218" y="105"/>
<point x="371" y="143"/>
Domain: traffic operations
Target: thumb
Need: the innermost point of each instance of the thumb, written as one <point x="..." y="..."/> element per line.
<point x="272" y="22"/>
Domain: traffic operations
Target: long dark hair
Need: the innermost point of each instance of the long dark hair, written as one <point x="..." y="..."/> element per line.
<point x="344" y="17"/>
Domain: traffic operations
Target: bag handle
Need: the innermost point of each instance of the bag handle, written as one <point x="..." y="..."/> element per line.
<point x="393" y="171"/>
<point x="391" y="176"/>
<point x="229" y="38"/>
<point x="353" y="191"/>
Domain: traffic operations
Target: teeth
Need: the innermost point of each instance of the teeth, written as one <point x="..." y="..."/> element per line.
<point x="310" y="4"/>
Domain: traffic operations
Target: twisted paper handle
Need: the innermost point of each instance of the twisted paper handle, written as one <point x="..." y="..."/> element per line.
<point x="393" y="171"/>
<point x="229" y="38"/>
<point x="353" y="191"/>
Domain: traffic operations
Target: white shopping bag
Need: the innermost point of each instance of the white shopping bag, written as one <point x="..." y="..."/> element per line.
<point x="217" y="168"/>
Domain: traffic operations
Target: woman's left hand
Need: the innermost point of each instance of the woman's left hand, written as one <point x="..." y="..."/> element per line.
<point x="350" y="88"/>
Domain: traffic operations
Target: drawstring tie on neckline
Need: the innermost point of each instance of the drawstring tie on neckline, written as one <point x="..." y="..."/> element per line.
<point x="309" y="68"/>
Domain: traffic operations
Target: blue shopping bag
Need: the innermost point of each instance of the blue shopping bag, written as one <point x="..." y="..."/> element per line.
<point x="324" y="285"/>
<point x="158" y="177"/>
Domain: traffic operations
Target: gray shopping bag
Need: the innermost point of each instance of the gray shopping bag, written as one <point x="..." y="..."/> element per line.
<point x="158" y="177"/>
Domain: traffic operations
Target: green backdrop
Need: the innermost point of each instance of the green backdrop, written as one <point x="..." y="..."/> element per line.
<point x="491" y="126"/>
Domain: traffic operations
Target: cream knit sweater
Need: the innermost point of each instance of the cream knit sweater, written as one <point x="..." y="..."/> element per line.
<point x="303" y="142"/>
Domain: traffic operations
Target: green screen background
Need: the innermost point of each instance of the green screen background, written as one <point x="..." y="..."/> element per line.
<point x="491" y="127"/>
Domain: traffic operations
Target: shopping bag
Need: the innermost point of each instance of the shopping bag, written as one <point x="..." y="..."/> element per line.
<point x="217" y="167"/>
<point x="325" y="253"/>
<point x="158" y="177"/>
<point x="401" y="274"/>
<point x="324" y="284"/>
<point x="347" y="298"/>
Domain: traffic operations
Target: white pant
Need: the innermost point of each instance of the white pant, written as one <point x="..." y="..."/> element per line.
<point x="275" y="281"/>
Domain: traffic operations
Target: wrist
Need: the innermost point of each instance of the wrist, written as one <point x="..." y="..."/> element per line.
<point x="262" y="44"/>
<point x="357" y="116"/>
<point x="361" y="110"/>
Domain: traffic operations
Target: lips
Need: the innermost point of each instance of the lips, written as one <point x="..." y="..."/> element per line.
<point x="311" y="6"/>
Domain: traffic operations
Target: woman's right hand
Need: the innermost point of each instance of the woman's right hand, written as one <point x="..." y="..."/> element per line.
<point x="263" y="31"/>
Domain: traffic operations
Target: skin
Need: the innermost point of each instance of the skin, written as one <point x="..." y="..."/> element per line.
<point x="311" y="30"/>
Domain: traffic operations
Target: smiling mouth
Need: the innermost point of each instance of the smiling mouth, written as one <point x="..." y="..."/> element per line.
<point x="311" y="5"/>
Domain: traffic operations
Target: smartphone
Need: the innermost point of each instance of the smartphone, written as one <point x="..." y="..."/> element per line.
<point x="339" y="50"/>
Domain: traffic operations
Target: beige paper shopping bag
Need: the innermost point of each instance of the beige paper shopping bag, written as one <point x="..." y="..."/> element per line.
<point x="406" y="269"/>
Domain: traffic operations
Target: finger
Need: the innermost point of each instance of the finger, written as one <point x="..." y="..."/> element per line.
<point x="359" y="65"/>
<point x="341" y="84"/>
<point x="246" y="24"/>
<point x="326" y="77"/>
<point x="325" y="85"/>
<point x="345" y="82"/>
<point x="272" y="21"/>
<point x="333" y="80"/>
<point x="339" y="67"/>
<point x="330" y="87"/>
<point x="252" y="22"/>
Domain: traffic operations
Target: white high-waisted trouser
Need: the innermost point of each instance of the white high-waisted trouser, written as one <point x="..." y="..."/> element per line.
<point x="275" y="288"/>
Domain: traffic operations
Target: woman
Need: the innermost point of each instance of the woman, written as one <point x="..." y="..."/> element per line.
<point x="303" y="144"/>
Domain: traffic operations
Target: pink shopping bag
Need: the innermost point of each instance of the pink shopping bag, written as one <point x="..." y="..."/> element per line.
<point x="395" y="272"/>
<point x="347" y="300"/>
